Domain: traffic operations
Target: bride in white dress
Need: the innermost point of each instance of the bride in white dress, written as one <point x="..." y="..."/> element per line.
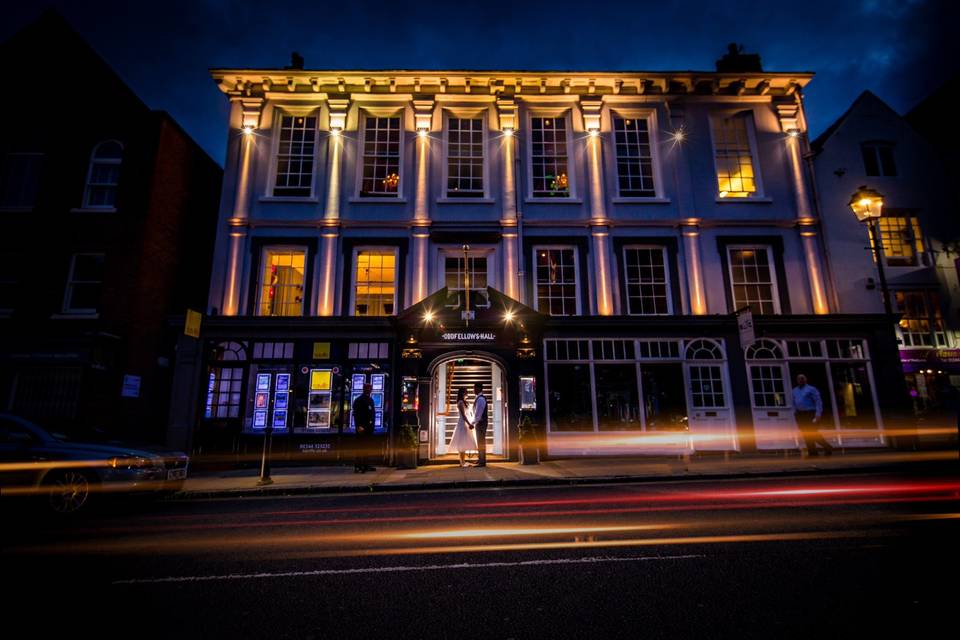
<point x="464" y="436"/>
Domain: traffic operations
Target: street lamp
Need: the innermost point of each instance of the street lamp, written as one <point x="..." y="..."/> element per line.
<point x="867" y="205"/>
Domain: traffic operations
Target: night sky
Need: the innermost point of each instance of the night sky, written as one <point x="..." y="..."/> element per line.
<point x="900" y="49"/>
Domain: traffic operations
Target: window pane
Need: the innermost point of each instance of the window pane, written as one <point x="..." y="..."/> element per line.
<point x="85" y="283"/>
<point x="851" y="388"/>
<point x="617" y="405"/>
<point x="295" y="156"/>
<point x="751" y="276"/>
<point x="556" y="278"/>
<point x="375" y="283"/>
<point x="646" y="279"/>
<point x="896" y="234"/>
<point x="549" y="158"/>
<point x="634" y="157"/>
<point x="381" y="158"/>
<point x="571" y="408"/>
<point x="464" y="157"/>
<point x="281" y="282"/>
<point x="733" y="156"/>
<point x="664" y="397"/>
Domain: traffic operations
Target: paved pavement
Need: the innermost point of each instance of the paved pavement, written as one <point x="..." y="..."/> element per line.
<point x="334" y="479"/>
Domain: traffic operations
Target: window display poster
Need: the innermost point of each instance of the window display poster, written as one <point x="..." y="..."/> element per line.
<point x="320" y="379"/>
<point x="528" y="393"/>
<point x="378" y="420"/>
<point x="319" y="400"/>
<point x="376" y="379"/>
<point x="261" y="399"/>
<point x="283" y="382"/>
<point x="263" y="382"/>
<point x="358" y="381"/>
<point x="259" y="419"/>
<point x="280" y="419"/>
<point x="377" y="400"/>
<point x="281" y="399"/>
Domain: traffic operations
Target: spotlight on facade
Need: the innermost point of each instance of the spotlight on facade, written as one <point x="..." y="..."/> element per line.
<point x="678" y="135"/>
<point x="248" y="129"/>
<point x="866" y="203"/>
<point x="336" y="131"/>
<point x="508" y="131"/>
<point x="793" y="133"/>
<point x="593" y="132"/>
<point x="508" y="315"/>
<point x="428" y="316"/>
<point x="422" y="132"/>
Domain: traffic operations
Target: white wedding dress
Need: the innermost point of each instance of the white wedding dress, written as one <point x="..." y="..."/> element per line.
<point x="464" y="438"/>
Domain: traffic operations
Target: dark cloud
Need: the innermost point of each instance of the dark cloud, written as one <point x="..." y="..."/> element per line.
<point x="900" y="49"/>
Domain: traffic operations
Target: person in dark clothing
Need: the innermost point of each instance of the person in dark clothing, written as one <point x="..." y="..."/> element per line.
<point x="363" y="413"/>
<point x="480" y="423"/>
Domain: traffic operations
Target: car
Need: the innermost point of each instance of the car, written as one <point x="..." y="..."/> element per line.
<point x="65" y="472"/>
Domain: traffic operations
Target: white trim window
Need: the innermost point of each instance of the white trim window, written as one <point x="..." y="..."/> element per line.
<point x="900" y="238"/>
<point x="84" y="284"/>
<point x="549" y="157"/>
<point x="733" y="153"/>
<point x="103" y="176"/>
<point x="21" y="180"/>
<point x="296" y="152"/>
<point x="282" y="280"/>
<point x="374" y="287"/>
<point x="647" y="281"/>
<point x="922" y="322"/>
<point x="556" y="281"/>
<point x="475" y="277"/>
<point x="634" y="150"/>
<point x="380" y="169"/>
<point x="878" y="159"/>
<point x="465" y="158"/>
<point x="753" y="278"/>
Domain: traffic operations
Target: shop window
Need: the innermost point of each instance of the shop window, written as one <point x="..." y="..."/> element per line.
<point x="664" y="396"/>
<point x="103" y="176"/>
<point x="465" y="158"/>
<point x="568" y="350"/>
<point x="764" y="349"/>
<point x="84" y="283"/>
<point x="282" y="282"/>
<point x="634" y="157"/>
<point x="648" y="289"/>
<point x="901" y="240"/>
<point x="368" y="350"/>
<point x="706" y="387"/>
<point x="659" y="349"/>
<point x="296" y="150"/>
<point x="548" y="158"/>
<point x="556" y="281"/>
<point x="617" y="406"/>
<point x="804" y="349"/>
<point x="851" y="386"/>
<point x="704" y="350"/>
<point x="380" y="173"/>
<point x="752" y="277"/>
<point x="569" y="393"/>
<point x="613" y="350"/>
<point x="375" y="282"/>
<point x="223" y="392"/>
<point x="734" y="157"/>
<point x="846" y="349"/>
<point x="922" y="321"/>
<point x="272" y="350"/>
<point x="46" y="393"/>
<point x="230" y="351"/>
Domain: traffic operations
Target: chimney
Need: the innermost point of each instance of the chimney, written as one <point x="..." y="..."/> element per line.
<point x="296" y="61"/>
<point x="736" y="61"/>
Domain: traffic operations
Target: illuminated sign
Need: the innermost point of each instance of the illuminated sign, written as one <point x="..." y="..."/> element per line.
<point x="469" y="336"/>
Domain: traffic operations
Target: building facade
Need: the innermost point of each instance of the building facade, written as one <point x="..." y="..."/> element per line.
<point x="106" y="215"/>
<point x="919" y="229"/>
<point x="577" y="242"/>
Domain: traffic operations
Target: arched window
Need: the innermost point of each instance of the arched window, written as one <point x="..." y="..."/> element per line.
<point x="227" y="351"/>
<point x="764" y="350"/>
<point x="103" y="177"/>
<point x="703" y="349"/>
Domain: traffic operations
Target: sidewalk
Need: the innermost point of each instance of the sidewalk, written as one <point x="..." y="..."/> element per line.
<point x="338" y="479"/>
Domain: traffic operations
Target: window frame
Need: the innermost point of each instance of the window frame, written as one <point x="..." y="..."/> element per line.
<point x="353" y="278"/>
<point x="566" y="114"/>
<point x="365" y="115"/>
<point x="271" y="184"/>
<point x="915" y="239"/>
<point x="749" y="118"/>
<point x="650" y="115"/>
<point x="778" y="309"/>
<point x="874" y="147"/>
<point x="71" y="311"/>
<point x="485" y="135"/>
<point x="576" y="272"/>
<point x="258" y="283"/>
<point x="937" y="327"/>
<point x="39" y="181"/>
<point x="666" y="276"/>
<point x="86" y="206"/>
<point x="488" y="251"/>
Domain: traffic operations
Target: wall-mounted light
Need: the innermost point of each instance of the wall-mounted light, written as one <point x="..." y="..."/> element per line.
<point x="428" y="316"/>
<point x="593" y="132"/>
<point x="336" y="131"/>
<point x="678" y="135"/>
<point x="423" y="132"/>
<point x="248" y="129"/>
<point x="508" y="131"/>
<point x="793" y="132"/>
<point x="508" y="315"/>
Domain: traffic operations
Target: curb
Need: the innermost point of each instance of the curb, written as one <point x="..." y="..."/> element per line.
<point x="257" y="492"/>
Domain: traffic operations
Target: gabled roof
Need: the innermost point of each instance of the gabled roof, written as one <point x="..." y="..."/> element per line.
<point x="821" y="140"/>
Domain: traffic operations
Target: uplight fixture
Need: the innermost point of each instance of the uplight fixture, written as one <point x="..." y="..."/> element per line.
<point x="593" y="132"/>
<point x="508" y="315"/>
<point x="248" y="129"/>
<point x="336" y="131"/>
<point x="793" y="132"/>
<point x="423" y="132"/>
<point x="428" y="316"/>
<point x="508" y="131"/>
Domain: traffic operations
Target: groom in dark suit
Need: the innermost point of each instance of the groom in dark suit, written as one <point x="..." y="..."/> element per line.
<point x="480" y="423"/>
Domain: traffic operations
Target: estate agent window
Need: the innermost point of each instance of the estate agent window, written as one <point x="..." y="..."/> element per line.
<point x="465" y="158"/>
<point x="634" y="157"/>
<point x="548" y="155"/>
<point x="281" y="281"/>
<point x="84" y="283"/>
<point x="753" y="279"/>
<point x="648" y="288"/>
<point x="103" y="176"/>
<point x="556" y="281"/>
<point x="295" y="156"/>
<point x="375" y="282"/>
<point x="381" y="158"/>
<point x="734" y="156"/>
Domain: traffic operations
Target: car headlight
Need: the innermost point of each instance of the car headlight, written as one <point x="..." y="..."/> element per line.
<point x="134" y="462"/>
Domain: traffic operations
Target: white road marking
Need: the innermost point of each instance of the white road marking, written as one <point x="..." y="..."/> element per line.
<point x="400" y="569"/>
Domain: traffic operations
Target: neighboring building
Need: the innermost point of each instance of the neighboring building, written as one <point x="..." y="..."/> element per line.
<point x="107" y="210"/>
<point x="576" y="241"/>
<point x="873" y="145"/>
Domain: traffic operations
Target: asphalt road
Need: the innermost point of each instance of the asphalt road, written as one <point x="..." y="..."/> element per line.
<point x="852" y="556"/>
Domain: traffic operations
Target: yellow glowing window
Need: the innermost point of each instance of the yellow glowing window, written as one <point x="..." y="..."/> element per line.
<point x="375" y="283"/>
<point x="736" y="177"/>
<point x="901" y="239"/>
<point x="281" y="282"/>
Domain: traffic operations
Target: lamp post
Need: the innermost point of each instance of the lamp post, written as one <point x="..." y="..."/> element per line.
<point x="867" y="205"/>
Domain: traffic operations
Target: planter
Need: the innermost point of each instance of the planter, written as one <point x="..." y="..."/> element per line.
<point x="406" y="458"/>
<point x="529" y="454"/>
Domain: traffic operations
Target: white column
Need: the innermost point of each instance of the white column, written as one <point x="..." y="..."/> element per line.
<point x="330" y="234"/>
<point x="420" y="228"/>
<point x="694" y="268"/>
<point x="512" y="287"/>
<point x="600" y="225"/>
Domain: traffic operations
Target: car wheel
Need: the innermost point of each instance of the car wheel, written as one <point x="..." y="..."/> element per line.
<point x="68" y="491"/>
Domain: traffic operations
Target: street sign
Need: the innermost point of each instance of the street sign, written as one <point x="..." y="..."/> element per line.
<point x="191" y="326"/>
<point x="745" y="326"/>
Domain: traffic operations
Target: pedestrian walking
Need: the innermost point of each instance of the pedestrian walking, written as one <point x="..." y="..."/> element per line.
<point x="808" y="408"/>
<point x="363" y="414"/>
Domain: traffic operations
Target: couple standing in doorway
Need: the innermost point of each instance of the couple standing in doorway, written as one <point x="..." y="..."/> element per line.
<point x="470" y="433"/>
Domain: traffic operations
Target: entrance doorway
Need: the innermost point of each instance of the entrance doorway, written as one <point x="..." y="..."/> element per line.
<point x="463" y="371"/>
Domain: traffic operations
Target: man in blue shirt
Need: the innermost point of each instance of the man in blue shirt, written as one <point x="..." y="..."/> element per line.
<point x="808" y="407"/>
